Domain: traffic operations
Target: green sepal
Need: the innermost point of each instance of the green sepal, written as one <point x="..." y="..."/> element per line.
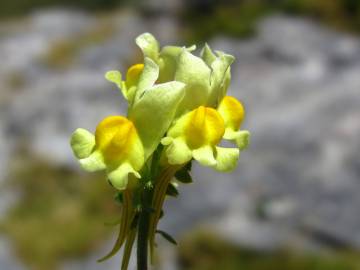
<point x="167" y="236"/>
<point x="172" y="190"/>
<point x="183" y="175"/>
<point x="188" y="166"/>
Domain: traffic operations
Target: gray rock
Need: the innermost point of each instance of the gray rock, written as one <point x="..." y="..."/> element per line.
<point x="303" y="114"/>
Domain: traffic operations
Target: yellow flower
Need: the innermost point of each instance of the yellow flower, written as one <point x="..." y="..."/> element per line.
<point x="197" y="134"/>
<point x="175" y="99"/>
<point x="194" y="135"/>
<point x="122" y="145"/>
<point x="115" y="147"/>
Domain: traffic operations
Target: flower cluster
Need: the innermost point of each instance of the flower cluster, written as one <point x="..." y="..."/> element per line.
<point x="178" y="111"/>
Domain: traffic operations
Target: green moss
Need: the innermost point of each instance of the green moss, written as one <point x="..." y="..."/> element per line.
<point x="239" y="18"/>
<point x="206" y="251"/>
<point x="60" y="214"/>
<point x="19" y="7"/>
<point x="341" y="14"/>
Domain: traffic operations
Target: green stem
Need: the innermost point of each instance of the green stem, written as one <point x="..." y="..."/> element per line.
<point x="143" y="231"/>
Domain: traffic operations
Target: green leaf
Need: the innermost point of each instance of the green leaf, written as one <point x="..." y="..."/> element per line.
<point x="172" y="190"/>
<point x="161" y="214"/>
<point x="167" y="236"/>
<point x="126" y="220"/>
<point x="183" y="175"/>
<point x="128" y="248"/>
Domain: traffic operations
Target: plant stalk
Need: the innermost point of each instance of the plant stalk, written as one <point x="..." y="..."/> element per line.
<point x="143" y="231"/>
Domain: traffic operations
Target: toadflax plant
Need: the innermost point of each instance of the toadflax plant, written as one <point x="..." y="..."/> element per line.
<point x="178" y="111"/>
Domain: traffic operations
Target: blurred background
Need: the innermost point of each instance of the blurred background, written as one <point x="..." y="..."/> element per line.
<point x="293" y="203"/>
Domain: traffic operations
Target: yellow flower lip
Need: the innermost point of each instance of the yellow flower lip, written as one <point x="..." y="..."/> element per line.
<point x="205" y="127"/>
<point x="232" y="111"/>
<point x="114" y="136"/>
<point x="133" y="74"/>
<point x="195" y="135"/>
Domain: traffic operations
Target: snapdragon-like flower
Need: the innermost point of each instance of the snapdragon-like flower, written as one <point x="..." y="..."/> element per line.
<point x="122" y="145"/>
<point x="178" y="111"/>
<point x="205" y="112"/>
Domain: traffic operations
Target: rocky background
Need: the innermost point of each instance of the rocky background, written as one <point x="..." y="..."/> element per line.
<point x="296" y="186"/>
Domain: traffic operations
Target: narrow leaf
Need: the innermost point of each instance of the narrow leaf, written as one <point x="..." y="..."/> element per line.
<point x="167" y="236"/>
<point x="183" y="176"/>
<point x="188" y="166"/>
<point x="125" y="223"/>
<point x="128" y="248"/>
